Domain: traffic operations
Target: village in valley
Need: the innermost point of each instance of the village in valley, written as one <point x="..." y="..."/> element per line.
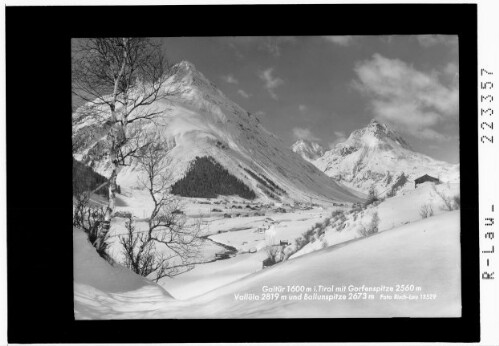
<point x="185" y="205"/>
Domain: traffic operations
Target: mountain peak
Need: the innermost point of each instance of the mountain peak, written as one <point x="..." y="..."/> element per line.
<point x="378" y="155"/>
<point x="379" y="128"/>
<point x="307" y="149"/>
<point x="194" y="82"/>
<point x="376" y="131"/>
<point x="186" y="65"/>
<point x="186" y="68"/>
<point x="302" y="141"/>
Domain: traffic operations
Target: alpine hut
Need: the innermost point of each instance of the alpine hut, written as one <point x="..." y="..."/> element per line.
<point x="424" y="179"/>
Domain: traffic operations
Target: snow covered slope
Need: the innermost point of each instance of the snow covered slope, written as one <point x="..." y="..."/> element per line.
<point x="431" y="262"/>
<point x="393" y="212"/>
<point x="381" y="260"/>
<point x="308" y="150"/>
<point x="378" y="155"/>
<point x="202" y="121"/>
<point x="99" y="287"/>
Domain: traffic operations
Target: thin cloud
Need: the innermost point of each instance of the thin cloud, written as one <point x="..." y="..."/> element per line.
<point x="451" y="73"/>
<point x="413" y="101"/>
<point x="340" y="40"/>
<point x="271" y="82"/>
<point x="269" y="44"/>
<point x="230" y="79"/>
<point x="302" y="108"/>
<point x="273" y="44"/>
<point x="427" y="41"/>
<point x="243" y="93"/>
<point x="304" y="133"/>
<point x="340" y="137"/>
<point x="387" y="39"/>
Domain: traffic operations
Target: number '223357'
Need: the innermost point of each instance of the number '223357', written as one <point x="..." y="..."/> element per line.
<point x="485" y="107"/>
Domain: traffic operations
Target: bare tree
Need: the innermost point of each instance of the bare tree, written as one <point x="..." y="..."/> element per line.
<point x="450" y="203"/>
<point x="89" y="219"/>
<point x="119" y="79"/>
<point x="169" y="246"/>
<point x="139" y="251"/>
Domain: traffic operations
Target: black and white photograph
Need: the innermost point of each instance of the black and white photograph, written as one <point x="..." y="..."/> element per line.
<point x="244" y="172"/>
<point x="256" y="177"/>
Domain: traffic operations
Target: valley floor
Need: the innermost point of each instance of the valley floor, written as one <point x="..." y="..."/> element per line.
<point x="247" y="237"/>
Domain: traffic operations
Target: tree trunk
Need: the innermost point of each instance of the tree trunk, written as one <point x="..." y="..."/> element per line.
<point x="116" y="136"/>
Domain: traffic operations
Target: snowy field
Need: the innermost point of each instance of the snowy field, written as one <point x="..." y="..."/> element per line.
<point x="247" y="231"/>
<point x="382" y="260"/>
<point x="244" y="234"/>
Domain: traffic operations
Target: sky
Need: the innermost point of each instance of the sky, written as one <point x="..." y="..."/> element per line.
<point x="321" y="88"/>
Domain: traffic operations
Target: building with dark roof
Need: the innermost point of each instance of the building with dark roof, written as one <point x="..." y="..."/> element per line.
<point x="424" y="179"/>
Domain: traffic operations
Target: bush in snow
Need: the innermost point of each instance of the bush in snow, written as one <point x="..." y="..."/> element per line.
<point x="300" y="242"/>
<point x="450" y="203"/>
<point x="89" y="219"/>
<point x="306" y="238"/>
<point x="314" y="233"/>
<point x="309" y="234"/>
<point x="426" y="211"/>
<point x="273" y="253"/>
<point x="372" y="227"/>
<point x="372" y="196"/>
<point x="340" y="221"/>
<point x="390" y="193"/>
<point x="138" y="253"/>
<point x="324" y="243"/>
<point x="375" y="220"/>
<point x="337" y="213"/>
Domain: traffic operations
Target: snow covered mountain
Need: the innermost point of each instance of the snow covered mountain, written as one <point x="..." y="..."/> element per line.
<point x="378" y="155"/>
<point x="308" y="150"/>
<point x="201" y="121"/>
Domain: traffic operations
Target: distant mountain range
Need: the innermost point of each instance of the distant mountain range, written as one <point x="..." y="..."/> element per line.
<point x="378" y="156"/>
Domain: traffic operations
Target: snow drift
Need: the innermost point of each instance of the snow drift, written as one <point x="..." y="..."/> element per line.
<point x="101" y="289"/>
